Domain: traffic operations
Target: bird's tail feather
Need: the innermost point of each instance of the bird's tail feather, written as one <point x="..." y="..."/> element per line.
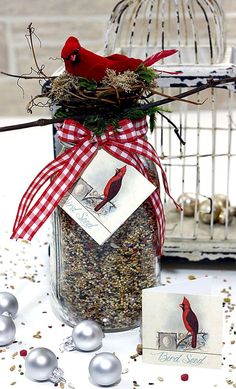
<point x="100" y="205"/>
<point x="156" y="57"/>
<point x="194" y="340"/>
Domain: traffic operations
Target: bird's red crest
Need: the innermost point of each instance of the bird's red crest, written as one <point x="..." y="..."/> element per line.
<point x="71" y="45"/>
<point x="123" y="170"/>
<point x="186" y="301"/>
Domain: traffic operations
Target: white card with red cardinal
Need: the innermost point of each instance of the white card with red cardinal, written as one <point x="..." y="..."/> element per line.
<point x="107" y="193"/>
<point x="182" y="325"/>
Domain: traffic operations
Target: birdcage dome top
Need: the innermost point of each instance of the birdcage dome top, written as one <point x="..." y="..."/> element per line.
<point x="194" y="27"/>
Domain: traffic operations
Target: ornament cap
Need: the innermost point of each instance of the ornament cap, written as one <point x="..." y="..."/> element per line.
<point x="68" y="344"/>
<point x="57" y="376"/>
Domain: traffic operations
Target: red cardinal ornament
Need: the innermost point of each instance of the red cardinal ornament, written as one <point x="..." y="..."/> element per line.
<point x="190" y="320"/>
<point x="84" y="63"/>
<point x="112" y="187"/>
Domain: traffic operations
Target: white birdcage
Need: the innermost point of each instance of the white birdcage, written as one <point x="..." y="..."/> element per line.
<point x="204" y="168"/>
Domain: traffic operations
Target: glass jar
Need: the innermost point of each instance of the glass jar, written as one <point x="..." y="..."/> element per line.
<point x="104" y="283"/>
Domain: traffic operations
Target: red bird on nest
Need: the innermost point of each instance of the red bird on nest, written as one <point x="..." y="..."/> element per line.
<point x="112" y="187"/>
<point x="84" y="63"/>
<point x="190" y="320"/>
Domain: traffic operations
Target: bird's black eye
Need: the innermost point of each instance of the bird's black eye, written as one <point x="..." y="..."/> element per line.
<point x="75" y="52"/>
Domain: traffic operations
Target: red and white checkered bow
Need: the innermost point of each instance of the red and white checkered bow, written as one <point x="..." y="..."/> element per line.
<point x="126" y="143"/>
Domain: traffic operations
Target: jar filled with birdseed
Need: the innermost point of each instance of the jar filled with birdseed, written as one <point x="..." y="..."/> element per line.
<point x="104" y="282"/>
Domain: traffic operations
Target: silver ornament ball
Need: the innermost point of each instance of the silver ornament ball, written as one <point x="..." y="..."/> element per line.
<point x="40" y="364"/>
<point x="8" y="304"/>
<point x="187" y="201"/>
<point x="105" y="369"/>
<point x="7" y="330"/>
<point x="87" y="335"/>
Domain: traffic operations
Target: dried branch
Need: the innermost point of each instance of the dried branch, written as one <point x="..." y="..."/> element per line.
<point x="31" y="103"/>
<point x="26" y="77"/>
<point x="155" y="92"/>
<point x="31" y="44"/>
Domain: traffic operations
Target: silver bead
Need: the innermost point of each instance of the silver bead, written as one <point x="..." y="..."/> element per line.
<point x="105" y="369"/>
<point x="41" y="365"/>
<point x="87" y="335"/>
<point x="8" y="304"/>
<point x="7" y="330"/>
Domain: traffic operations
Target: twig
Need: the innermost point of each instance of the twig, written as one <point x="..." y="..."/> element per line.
<point x="176" y="130"/>
<point x="210" y="84"/>
<point x="31" y="102"/>
<point x="31" y="32"/>
<point x="43" y="122"/>
<point x="27" y="77"/>
<point x="155" y="92"/>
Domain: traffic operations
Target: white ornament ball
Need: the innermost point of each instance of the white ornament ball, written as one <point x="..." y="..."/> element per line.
<point x="105" y="369"/>
<point x="87" y="335"/>
<point x="7" y="330"/>
<point x="40" y="364"/>
<point x="8" y="303"/>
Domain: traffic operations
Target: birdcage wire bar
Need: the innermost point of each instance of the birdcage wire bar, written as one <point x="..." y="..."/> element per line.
<point x="204" y="166"/>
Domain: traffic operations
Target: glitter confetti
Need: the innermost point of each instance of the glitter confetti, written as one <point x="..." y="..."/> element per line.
<point x="37" y="335"/>
<point x="184" y="377"/>
<point x="23" y="353"/>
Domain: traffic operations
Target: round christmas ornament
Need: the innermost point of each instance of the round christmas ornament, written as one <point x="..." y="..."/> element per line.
<point x="105" y="369"/>
<point x="7" y="330"/>
<point x="187" y="201"/>
<point x="226" y="216"/>
<point x="205" y="210"/>
<point x="87" y="335"/>
<point x="41" y="365"/>
<point x="221" y="200"/>
<point x="8" y="304"/>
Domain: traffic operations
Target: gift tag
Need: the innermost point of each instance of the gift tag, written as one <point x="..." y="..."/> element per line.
<point x="179" y="329"/>
<point x="107" y="193"/>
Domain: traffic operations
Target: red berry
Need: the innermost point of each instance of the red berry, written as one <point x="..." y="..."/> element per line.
<point x="23" y="353"/>
<point x="184" y="377"/>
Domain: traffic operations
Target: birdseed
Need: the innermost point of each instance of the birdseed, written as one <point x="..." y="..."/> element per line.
<point x="104" y="283"/>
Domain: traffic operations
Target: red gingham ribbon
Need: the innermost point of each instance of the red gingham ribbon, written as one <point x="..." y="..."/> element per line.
<point x="125" y="143"/>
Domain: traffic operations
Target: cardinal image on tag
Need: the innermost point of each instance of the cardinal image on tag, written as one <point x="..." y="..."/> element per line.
<point x="106" y="194"/>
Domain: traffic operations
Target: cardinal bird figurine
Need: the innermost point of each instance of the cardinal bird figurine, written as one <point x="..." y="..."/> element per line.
<point x="84" y="63"/>
<point x="112" y="187"/>
<point x="190" y="320"/>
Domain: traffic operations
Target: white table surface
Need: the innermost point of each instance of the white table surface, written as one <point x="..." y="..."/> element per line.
<point x="24" y="272"/>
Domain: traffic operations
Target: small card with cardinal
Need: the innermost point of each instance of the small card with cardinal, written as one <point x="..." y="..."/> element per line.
<point x="182" y="325"/>
<point x="107" y="193"/>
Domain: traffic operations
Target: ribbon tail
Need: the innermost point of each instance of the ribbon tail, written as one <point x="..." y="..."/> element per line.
<point x="45" y="174"/>
<point x="36" y="216"/>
